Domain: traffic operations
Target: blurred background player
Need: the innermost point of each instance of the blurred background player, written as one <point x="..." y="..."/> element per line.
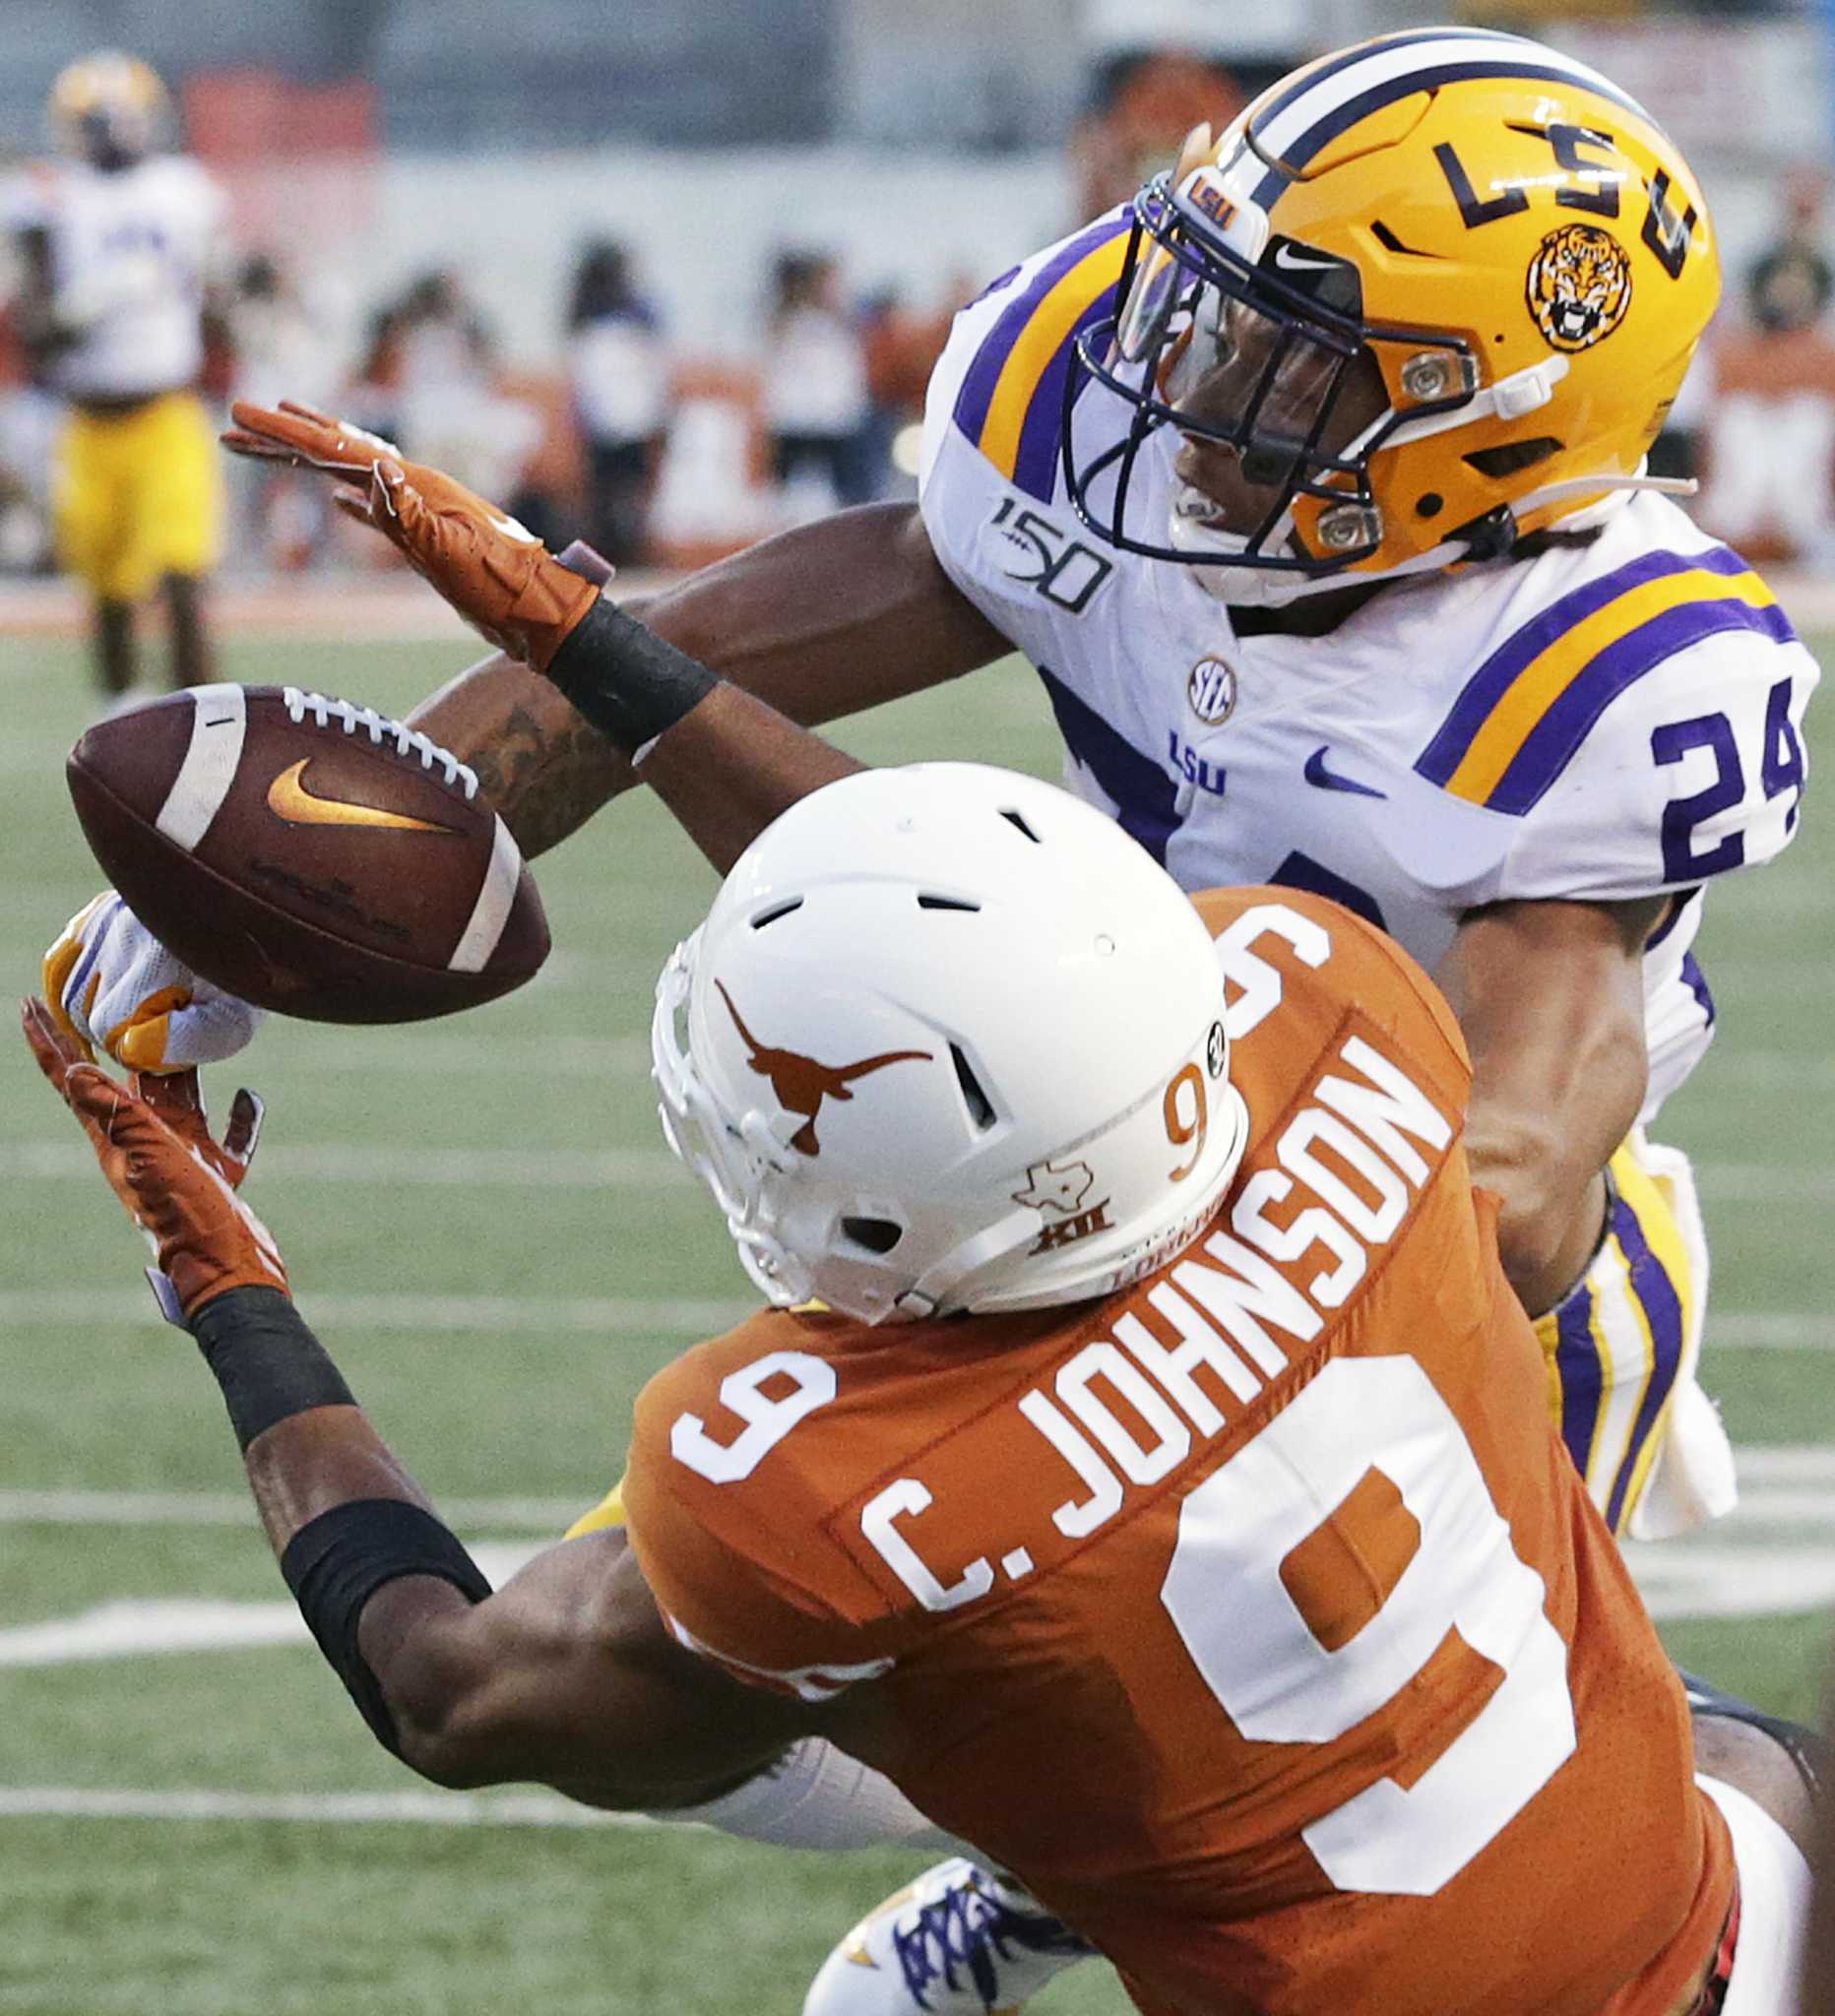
<point x="120" y="244"/>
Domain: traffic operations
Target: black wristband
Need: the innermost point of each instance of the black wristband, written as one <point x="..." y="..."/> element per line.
<point x="335" y="1563"/>
<point x="265" y="1360"/>
<point x="625" y="679"/>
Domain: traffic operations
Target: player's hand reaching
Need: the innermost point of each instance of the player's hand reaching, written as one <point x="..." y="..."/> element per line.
<point x="493" y="571"/>
<point x="176" y="1182"/>
<point x="113" y="987"/>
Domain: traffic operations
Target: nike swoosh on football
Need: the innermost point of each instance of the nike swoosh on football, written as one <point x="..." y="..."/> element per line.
<point x="290" y="799"/>
<point x="1335" y="780"/>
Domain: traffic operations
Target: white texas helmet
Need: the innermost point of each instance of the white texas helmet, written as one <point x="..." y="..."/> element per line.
<point x="949" y="1040"/>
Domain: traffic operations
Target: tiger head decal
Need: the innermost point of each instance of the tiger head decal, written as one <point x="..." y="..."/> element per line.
<point x="1579" y="286"/>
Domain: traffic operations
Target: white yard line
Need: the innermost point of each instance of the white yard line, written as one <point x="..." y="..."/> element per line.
<point x="1778" y="1481"/>
<point x="686" y="1316"/>
<point x="1703" y="1579"/>
<point x="457" y="1057"/>
<point x="329" y="1808"/>
<point x="1772" y="1330"/>
<point x="1787" y="1069"/>
<point x="1765" y="1184"/>
<point x="557" y="1169"/>
<point x="1787" y="1463"/>
<point x="509" y="1315"/>
<point x="550" y="1517"/>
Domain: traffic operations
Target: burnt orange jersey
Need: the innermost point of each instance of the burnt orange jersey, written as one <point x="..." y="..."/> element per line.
<point x="1254" y="1617"/>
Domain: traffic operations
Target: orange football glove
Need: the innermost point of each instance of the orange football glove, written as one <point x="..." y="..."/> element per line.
<point x="177" y="1184"/>
<point x="495" y="572"/>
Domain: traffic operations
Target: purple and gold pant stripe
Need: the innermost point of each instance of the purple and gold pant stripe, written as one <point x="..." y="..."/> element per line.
<point x="1617" y="1344"/>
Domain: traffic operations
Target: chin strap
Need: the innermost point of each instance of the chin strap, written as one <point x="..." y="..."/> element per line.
<point x="979" y="1249"/>
<point x="1580" y="487"/>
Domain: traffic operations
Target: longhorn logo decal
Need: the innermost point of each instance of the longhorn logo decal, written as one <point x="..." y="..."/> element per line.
<point x="800" y="1084"/>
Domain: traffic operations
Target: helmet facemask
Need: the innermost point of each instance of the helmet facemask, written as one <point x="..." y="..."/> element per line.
<point x="1271" y="382"/>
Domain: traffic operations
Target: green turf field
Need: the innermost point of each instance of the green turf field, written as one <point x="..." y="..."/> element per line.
<point x="483" y="1223"/>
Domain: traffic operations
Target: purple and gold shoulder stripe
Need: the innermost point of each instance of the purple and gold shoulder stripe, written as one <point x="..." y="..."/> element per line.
<point x="1012" y="397"/>
<point x="1524" y="713"/>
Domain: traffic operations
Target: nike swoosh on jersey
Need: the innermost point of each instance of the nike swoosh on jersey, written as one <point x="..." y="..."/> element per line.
<point x="1335" y="780"/>
<point x="290" y="799"/>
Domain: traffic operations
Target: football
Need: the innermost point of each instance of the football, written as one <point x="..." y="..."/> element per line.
<point x="308" y="854"/>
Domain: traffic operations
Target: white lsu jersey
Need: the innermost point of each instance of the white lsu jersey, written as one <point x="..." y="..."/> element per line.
<point x="1604" y="723"/>
<point x="131" y="252"/>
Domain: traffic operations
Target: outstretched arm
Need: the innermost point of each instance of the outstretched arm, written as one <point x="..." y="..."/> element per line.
<point x="600" y="693"/>
<point x="567" y="1676"/>
<point x="820" y="622"/>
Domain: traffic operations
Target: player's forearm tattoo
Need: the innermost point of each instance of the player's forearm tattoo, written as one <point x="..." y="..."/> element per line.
<point x="547" y="779"/>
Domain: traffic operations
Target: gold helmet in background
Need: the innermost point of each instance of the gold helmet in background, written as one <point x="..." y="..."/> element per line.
<point x="1428" y="295"/>
<point x="108" y="108"/>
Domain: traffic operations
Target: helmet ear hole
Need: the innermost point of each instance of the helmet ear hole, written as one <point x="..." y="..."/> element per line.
<point x="876" y="1234"/>
<point x="1510" y="456"/>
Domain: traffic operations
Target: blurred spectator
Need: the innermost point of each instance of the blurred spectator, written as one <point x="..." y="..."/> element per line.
<point x="373" y="397"/>
<point x="1788" y="284"/>
<point x="1144" y="104"/>
<point x="902" y="346"/>
<point x="450" y="405"/>
<point x="30" y="418"/>
<point x="284" y="346"/>
<point x="619" y="374"/>
<point x="815" y="397"/>
<point x="1772" y="440"/>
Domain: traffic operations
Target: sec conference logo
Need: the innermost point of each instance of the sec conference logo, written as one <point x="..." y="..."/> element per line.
<point x="1212" y="690"/>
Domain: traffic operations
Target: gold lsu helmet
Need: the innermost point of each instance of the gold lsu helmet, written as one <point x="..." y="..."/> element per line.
<point x="108" y="108"/>
<point x="1434" y="292"/>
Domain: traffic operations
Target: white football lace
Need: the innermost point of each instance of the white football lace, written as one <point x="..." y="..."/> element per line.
<point x="408" y="741"/>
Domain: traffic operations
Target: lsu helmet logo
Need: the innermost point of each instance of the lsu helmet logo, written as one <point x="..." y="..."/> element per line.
<point x="1579" y="286"/>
